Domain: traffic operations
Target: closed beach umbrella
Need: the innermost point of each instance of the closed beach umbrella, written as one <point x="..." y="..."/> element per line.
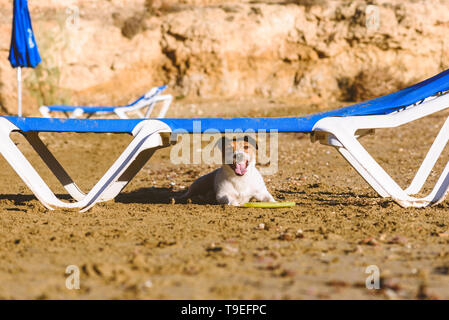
<point x="23" y="52"/>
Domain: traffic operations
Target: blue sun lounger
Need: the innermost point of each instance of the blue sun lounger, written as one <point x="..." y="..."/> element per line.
<point x="338" y="128"/>
<point x="148" y="100"/>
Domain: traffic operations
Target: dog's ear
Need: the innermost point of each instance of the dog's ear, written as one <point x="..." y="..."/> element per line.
<point x="251" y="141"/>
<point x="221" y="143"/>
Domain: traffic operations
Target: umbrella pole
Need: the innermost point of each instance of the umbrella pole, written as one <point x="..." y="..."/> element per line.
<point x="19" y="91"/>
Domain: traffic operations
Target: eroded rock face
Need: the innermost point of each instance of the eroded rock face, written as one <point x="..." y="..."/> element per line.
<point x="223" y="49"/>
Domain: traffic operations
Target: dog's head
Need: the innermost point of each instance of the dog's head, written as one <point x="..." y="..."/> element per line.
<point x="238" y="154"/>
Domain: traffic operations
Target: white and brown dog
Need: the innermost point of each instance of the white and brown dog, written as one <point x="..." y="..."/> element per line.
<point x="237" y="181"/>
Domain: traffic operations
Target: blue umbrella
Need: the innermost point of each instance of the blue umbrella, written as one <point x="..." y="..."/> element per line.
<point x="23" y="51"/>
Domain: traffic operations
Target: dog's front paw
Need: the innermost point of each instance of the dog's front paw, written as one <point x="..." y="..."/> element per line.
<point x="267" y="198"/>
<point x="230" y="201"/>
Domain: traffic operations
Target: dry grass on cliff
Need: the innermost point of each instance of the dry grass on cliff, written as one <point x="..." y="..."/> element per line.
<point x="370" y="84"/>
<point x="136" y="23"/>
<point x="307" y="3"/>
<point x="158" y="7"/>
<point x="133" y="25"/>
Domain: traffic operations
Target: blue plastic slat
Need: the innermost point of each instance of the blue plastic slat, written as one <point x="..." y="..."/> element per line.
<point x="86" y="109"/>
<point x="74" y="125"/>
<point x="381" y="105"/>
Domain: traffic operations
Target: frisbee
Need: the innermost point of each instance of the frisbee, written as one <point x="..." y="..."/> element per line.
<point x="269" y="204"/>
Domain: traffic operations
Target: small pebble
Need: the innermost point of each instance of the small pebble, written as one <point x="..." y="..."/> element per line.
<point x="288" y="273"/>
<point x="287" y="236"/>
<point x="370" y="242"/>
<point x="398" y="240"/>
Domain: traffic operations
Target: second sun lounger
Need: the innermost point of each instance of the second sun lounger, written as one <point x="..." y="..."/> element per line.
<point x="148" y="101"/>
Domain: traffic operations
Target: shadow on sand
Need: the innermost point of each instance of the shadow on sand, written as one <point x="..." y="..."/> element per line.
<point x="151" y="195"/>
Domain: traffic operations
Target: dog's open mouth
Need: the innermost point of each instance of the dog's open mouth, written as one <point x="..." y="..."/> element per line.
<point x="240" y="168"/>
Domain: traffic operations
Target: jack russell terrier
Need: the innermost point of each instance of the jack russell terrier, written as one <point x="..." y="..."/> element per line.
<point x="237" y="181"/>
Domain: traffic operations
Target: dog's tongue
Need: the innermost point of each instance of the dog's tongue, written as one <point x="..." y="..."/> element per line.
<point x="240" y="168"/>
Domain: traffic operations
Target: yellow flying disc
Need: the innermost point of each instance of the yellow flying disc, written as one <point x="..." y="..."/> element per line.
<point x="269" y="204"/>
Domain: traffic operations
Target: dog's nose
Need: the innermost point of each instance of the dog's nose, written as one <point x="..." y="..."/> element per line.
<point x="239" y="157"/>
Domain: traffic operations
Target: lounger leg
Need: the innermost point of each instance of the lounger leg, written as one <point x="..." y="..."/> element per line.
<point x="363" y="173"/>
<point x="441" y="188"/>
<point x="23" y="168"/>
<point x="115" y="188"/>
<point x="152" y="136"/>
<point x="431" y="158"/>
<point x="54" y="165"/>
<point x="167" y="101"/>
<point x="68" y="183"/>
<point x="373" y="173"/>
<point x="379" y="175"/>
<point x="149" y="110"/>
<point x="377" y="172"/>
<point x="330" y="140"/>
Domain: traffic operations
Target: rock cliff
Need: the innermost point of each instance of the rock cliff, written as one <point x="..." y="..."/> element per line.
<point x="112" y="51"/>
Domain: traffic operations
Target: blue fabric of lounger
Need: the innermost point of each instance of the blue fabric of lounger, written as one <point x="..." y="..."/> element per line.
<point x="382" y="105"/>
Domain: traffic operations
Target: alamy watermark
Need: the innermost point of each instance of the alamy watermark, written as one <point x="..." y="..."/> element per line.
<point x="189" y="148"/>
<point x="373" y="280"/>
<point x="372" y="17"/>
<point x="73" y="17"/>
<point x="73" y="280"/>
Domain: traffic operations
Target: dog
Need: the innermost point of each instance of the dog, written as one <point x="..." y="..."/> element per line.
<point x="237" y="181"/>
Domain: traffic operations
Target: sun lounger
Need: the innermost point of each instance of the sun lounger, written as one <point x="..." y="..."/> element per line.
<point x="148" y="101"/>
<point x="339" y="128"/>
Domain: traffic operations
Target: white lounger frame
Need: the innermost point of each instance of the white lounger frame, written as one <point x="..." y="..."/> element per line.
<point x="342" y="133"/>
<point x="149" y="135"/>
<point x="122" y="111"/>
<point x="166" y="99"/>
